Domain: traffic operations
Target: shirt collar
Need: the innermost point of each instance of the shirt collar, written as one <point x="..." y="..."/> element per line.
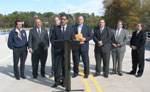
<point x="80" y="25"/>
<point x="38" y="28"/>
<point x="138" y="31"/>
<point x="101" y="28"/>
<point x="17" y="30"/>
<point x="64" y="27"/>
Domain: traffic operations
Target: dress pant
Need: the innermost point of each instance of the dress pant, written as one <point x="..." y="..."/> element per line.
<point x="138" y="61"/>
<point x="99" y="55"/>
<point x="76" y="59"/>
<point x="117" y="61"/>
<point x="36" y="58"/>
<point x="59" y="67"/>
<point x="19" y="53"/>
<point x="52" y="59"/>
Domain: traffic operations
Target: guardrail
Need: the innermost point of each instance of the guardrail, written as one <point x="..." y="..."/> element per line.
<point x="4" y="36"/>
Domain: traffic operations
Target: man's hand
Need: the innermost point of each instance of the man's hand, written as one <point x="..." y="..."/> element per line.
<point x="118" y="45"/>
<point x="133" y="47"/>
<point x="115" y="45"/>
<point x="83" y="39"/>
<point x="100" y="43"/>
<point x="30" y="50"/>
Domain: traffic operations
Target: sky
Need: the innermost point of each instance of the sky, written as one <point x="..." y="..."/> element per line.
<point x="56" y="6"/>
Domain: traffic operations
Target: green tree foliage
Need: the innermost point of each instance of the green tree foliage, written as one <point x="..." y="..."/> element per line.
<point x="47" y="18"/>
<point x="7" y="21"/>
<point x="125" y="10"/>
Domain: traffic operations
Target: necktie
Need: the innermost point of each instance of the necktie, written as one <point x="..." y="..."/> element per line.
<point x="19" y="35"/>
<point x="117" y="34"/>
<point x="101" y="30"/>
<point x="39" y="32"/>
<point x="63" y="29"/>
<point x="79" y="30"/>
<point x="62" y="33"/>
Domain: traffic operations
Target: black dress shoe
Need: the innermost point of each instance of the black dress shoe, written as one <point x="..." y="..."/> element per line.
<point x="34" y="77"/>
<point x="17" y="78"/>
<point x="120" y="74"/>
<point x="106" y="76"/>
<point x="131" y="73"/>
<point x="96" y="74"/>
<point x="85" y="76"/>
<point x="56" y="84"/>
<point x="113" y="72"/>
<point x="74" y="75"/>
<point x="23" y="77"/>
<point x="138" y="75"/>
<point x="43" y="75"/>
<point x="62" y="84"/>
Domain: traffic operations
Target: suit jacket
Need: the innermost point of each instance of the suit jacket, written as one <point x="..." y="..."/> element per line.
<point x="122" y="39"/>
<point x="52" y="32"/>
<point x="68" y="35"/>
<point x="87" y="33"/>
<point x="36" y="42"/>
<point x="138" y="40"/>
<point x="105" y="37"/>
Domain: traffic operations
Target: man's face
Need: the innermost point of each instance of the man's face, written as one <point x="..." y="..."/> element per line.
<point x="19" y="25"/>
<point x="64" y="20"/>
<point x="57" y="21"/>
<point x="38" y="23"/>
<point x="119" y="25"/>
<point x="102" y="23"/>
<point x="80" y="20"/>
<point x="139" y="27"/>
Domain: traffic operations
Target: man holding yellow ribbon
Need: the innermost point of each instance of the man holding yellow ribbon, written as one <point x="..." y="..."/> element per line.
<point x="83" y="33"/>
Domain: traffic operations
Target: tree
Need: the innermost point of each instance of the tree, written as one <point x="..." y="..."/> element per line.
<point x="125" y="10"/>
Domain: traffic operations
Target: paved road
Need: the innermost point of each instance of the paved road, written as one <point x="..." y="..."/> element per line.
<point x="114" y="83"/>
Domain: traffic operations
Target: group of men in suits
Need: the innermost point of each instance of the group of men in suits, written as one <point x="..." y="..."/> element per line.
<point x="66" y="32"/>
<point x="106" y="41"/>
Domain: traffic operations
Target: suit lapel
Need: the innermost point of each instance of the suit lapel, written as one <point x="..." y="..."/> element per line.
<point x="83" y="29"/>
<point x="76" y="29"/>
<point x="36" y="31"/>
<point x="121" y="33"/>
<point x="67" y="29"/>
<point x="104" y="30"/>
<point x="98" y="33"/>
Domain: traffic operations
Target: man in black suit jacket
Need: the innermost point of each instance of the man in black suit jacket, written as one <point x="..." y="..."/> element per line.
<point x="51" y="33"/>
<point x="137" y="44"/>
<point x="38" y="47"/>
<point x="84" y="47"/>
<point x="62" y="32"/>
<point x="102" y="39"/>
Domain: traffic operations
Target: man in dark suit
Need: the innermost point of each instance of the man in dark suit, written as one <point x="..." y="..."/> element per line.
<point x="17" y="41"/>
<point x="51" y="33"/>
<point x="62" y="32"/>
<point x="102" y="39"/>
<point x="119" y="48"/>
<point x="38" y="44"/>
<point x="83" y="49"/>
<point x="137" y="44"/>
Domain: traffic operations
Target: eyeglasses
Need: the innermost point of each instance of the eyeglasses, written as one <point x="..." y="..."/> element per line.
<point x="63" y="19"/>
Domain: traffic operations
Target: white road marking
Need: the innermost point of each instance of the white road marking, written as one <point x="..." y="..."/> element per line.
<point x="6" y="58"/>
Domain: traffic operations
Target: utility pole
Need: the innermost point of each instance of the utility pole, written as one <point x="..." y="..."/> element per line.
<point x="141" y="3"/>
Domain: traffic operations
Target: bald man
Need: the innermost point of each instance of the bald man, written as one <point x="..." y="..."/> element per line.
<point x="38" y="46"/>
<point x="57" y="23"/>
<point x="83" y="49"/>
